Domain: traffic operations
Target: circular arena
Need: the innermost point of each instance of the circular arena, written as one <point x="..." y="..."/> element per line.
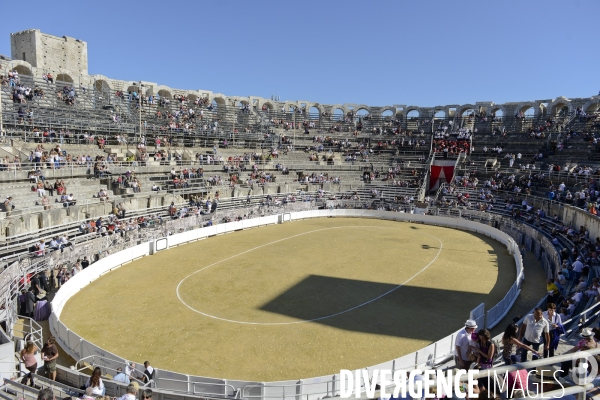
<point x="219" y="241"/>
<point x="293" y="300"/>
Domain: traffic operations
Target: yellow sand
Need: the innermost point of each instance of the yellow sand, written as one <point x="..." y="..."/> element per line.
<point x="278" y="277"/>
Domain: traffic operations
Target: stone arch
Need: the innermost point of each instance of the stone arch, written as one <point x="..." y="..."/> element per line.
<point x="62" y="77"/>
<point x="439" y="114"/>
<point x="466" y="110"/>
<point x="362" y="111"/>
<point x="191" y="97"/>
<point x="529" y="108"/>
<point x="102" y="85"/>
<point x="498" y="109"/>
<point x="289" y="106"/>
<point x="314" y="112"/>
<point x="25" y="66"/>
<point x="268" y="105"/>
<point x="22" y="70"/>
<point x="165" y="92"/>
<point x="320" y="109"/>
<point x="412" y="112"/>
<point x="591" y="106"/>
<point x="219" y="103"/>
<point x="557" y="106"/>
<point x="338" y="113"/>
<point x="388" y="112"/>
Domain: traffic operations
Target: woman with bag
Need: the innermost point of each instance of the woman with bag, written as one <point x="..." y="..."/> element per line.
<point x="555" y="329"/>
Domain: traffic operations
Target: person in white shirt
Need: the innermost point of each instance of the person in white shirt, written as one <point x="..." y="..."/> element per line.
<point x="95" y="382"/>
<point x="462" y="343"/>
<point x="534" y="326"/>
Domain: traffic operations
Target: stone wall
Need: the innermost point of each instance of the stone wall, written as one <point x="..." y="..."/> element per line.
<point x="34" y="53"/>
<point x="59" y="55"/>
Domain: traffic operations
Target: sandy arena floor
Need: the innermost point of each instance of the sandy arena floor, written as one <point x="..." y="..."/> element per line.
<point x="296" y="300"/>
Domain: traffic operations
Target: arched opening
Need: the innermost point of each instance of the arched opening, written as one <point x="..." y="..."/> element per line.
<point x="592" y="108"/>
<point x="469" y="112"/>
<point x="22" y="70"/>
<point x="64" y="78"/>
<point x="192" y="97"/>
<point x="338" y="114"/>
<point x="362" y="112"/>
<point x="498" y="113"/>
<point x="165" y="94"/>
<point x="439" y="114"/>
<point x="314" y="113"/>
<point x="218" y="104"/>
<point x="528" y="111"/>
<point x="101" y="86"/>
<point x="413" y="114"/>
<point x="387" y="114"/>
<point x="268" y="107"/>
<point x="560" y="108"/>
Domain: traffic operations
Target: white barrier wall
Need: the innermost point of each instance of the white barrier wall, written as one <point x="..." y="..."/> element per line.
<point x="309" y="388"/>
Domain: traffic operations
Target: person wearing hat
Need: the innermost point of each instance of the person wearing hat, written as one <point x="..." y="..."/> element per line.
<point x="463" y="340"/>
<point x="587" y="342"/>
<point x="534" y="326"/>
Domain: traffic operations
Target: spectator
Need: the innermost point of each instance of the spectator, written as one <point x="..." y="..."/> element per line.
<point x="28" y="357"/>
<point x="102" y="195"/>
<point x="121" y="377"/>
<point x="46" y="394"/>
<point x="46" y="203"/>
<point x="8" y="205"/>
<point x="485" y="349"/>
<point x="586" y="343"/>
<point x="50" y="355"/>
<point x="511" y="343"/>
<point x="132" y="392"/>
<point x="463" y="340"/>
<point x="88" y="395"/>
<point x="130" y="369"/>
<point x="29" y="302"/>
<point x="534" y="326"/>
<point x="148" y="373"/>
<point x="95" y="382"/>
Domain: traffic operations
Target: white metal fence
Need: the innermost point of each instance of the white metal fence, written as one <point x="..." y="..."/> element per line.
<point x="310" y="388"/>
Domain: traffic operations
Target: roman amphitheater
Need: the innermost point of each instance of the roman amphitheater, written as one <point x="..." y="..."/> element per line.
<point x="252" y="248"/>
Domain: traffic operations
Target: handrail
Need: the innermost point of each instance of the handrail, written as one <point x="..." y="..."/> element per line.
<point x="428" y="356"/>
<point x="35" y="331"/>
<point x="528" y="365"/>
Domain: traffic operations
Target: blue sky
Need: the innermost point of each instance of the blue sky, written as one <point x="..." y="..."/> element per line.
<point x="424" y="53"/>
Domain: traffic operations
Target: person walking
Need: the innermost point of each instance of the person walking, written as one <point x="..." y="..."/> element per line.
<point x="28" y="358"/>
<point x="533" y="328"/>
